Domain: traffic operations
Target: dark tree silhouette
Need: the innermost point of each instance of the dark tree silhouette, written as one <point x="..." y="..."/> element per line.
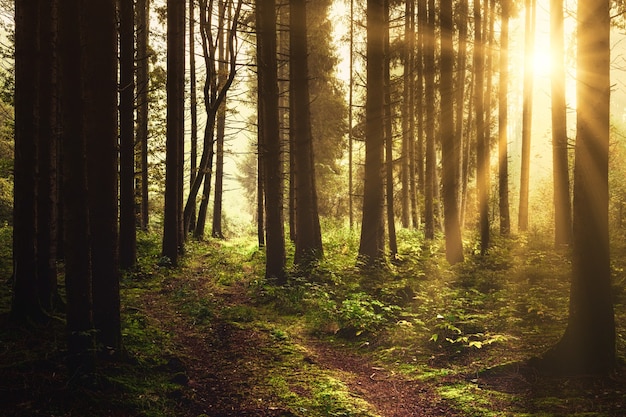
<point x="372" y="244"/>
<point x="503" y="116"/>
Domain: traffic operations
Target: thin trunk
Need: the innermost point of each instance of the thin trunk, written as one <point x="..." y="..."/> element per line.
<point x="391" y="220"/>
<point x="128" y="234"/>
<point x="503" y="111"/>
<point x="560" y="165"/>
<point x="143" y="31"/>
<point x="430" y="174"/>
<point x="459" y="95"/>
<point x="482" y="148"/>
<point x="193" y="107"/>
<point x="407" y="135"/>
<point x="350" y="122"/>
<point x="527" y="114"/>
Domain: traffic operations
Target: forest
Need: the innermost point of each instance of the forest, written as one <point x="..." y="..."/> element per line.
<point x="373" y="208"/>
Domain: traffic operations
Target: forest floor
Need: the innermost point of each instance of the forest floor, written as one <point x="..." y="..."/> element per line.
<point x="212" y="338"/>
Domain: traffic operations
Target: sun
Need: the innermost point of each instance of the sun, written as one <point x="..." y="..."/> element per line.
<point x="542" y="61"/>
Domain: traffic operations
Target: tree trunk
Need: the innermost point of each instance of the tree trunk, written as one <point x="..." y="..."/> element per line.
<point x="372" y="244"/>
<point x="308" y="236"/>
<point x="419" y="110"/>
<point x="407" y="112"/>
<point x="430" y="173"/>
<point x="47" y="143"/>
<point x="350" y="123"/>
<point x="81" y="359"/>
<point x="25" y="303"/>
<point x="100" y="109"/>
<point x="391" y="219"/>
<point x="451" y="152"/>
<point x="482" y="147"/>
<point x="128" y="234"/>
<point x="588" y="345"/>
<point x="193" y="108"/>
<point x="527" y="113"/>
<point x="560" y="164"/>
<point x="503" y="112"/>
<point x="268" y="119"/>
<point x="143" y="31"/>
<point x="175" y="127"/>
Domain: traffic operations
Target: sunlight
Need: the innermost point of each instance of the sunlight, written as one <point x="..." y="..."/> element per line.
<point x="542" y="61"/>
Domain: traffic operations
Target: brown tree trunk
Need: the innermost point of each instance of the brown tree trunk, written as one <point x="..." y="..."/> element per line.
<point x="451" y="152"/>
<point x="128" y="234"/>
<point x="101" y="130"/>
<point x="81" y="359"/>
<point x="193" y="108"/>
<point x="430" y="174"/>
<point x="372" y="243"/>
<point x="175" y="128"/>
<point x="527" y="114"/>
<point x="308" y="236"/>
<point x="482" y="147"/>
<point x="407" y="112"/>
<point x="25" y="303"/>
<point x="268" y="119"/>
<point x="143" y="29"/>
<point x="503" y="112"/>
<point x="560" y="160"/>
<point x="588" y="345"/>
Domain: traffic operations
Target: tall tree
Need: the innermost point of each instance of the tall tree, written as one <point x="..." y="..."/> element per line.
<point x="193" y="106"/>
<point x="350" y="122"/>
<point x="128" y="234"/>
<point x="503" y="115"/>
<point x="407" y="110"/>
<point x="422" y="24"/>
<point x="81" y="360"/>
<point x="268" y="120"/>
<point x="308" y="234"/>
<point x="25" y="304"/>
<point x="372" y="243"/>
<point x="143" y="30"/>
<point x="172" y="243"/>
<point x="560" y="164"/>
<point x="101" y="131"/>
<point x="451" y="150"/>
<point x="461" y="13"/>
<point x="430" y="173"/>
<point x="389" y="186"/>
<point x="588" y="345"/>
<point x="47" y="144"/>
<point x="482" y="147"/>
<point x="527" y="109"/>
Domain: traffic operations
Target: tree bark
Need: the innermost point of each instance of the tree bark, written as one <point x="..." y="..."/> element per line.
<point x="560" y="160"/>
<point x="268" y="120"/>
<point x="503" y="112"/>
<point x="128" y="221"/>
<point x="451" y="152"/>
<point x="588" y="345"/>
<point x="193" y="108"/>
<point x="372" y="243"/>
<point x="430" y="156"/>
<point x="175" y="128"/>
<point x="143" y="31"/>
<point x="308" y="237"/>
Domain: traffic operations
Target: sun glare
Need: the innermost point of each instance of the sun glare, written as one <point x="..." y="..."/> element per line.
<point x="542" y="61"/>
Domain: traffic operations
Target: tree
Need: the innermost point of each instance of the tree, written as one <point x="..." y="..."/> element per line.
<point x="459" y="96"/>
<point x="25" y="303"/>
<point x="308" y="234"/>
<point x="193" y="106"/>
<point x="101" y="131"/>
<point x="527" y="108"/>
<point x="128" y="234"/>
<point x="560" y="164"/>
<point x="503" y="153"/>
<point x="482" y="147"/>
<point x="270" y="144"/>
<point x="81" y="360"/>
<point x="430" y="173"/>
<point x="451" y="150"/>
<point x="588" y="344"/>
<point x="143" y="30"/>
<point x="407" y="110"/>
<point x="172" y="243"/>
<point x="372" y="243"/>
<point x="47" y="144"/>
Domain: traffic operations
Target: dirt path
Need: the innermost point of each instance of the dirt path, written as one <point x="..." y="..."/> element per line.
<point x="222" y="367"/>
